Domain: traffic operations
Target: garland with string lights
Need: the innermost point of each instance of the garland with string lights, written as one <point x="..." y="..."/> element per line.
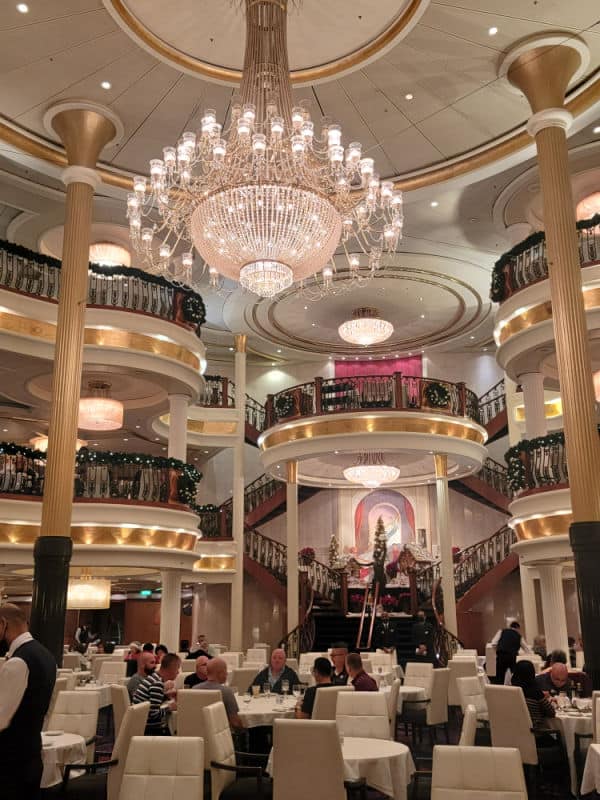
<point x="12" y="449"/>
<point x="516" y="472"/>
<point x="437" y="395"/>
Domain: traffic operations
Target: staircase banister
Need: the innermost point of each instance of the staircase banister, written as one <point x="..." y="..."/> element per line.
<point x="484" y="397"/>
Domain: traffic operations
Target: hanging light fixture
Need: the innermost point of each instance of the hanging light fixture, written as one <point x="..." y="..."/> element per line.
<point x="371" y="471"/>
<point x="99" y="412"/>
<point x="107" y="254"/>
<point x="365" y="328"/>
<point x="88" y="593"/>
<point x="267" y="201"/>
<point x="40" y="442"/>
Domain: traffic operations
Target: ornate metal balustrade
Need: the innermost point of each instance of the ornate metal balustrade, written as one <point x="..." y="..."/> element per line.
<point x="399" y="392"/>
<point x="527" y="262"/>
<point x="492" y="403"/>
<point x="495" y="475"/>
<point x="123" y="477"/>
<point x="121" y="288"/>
<point x="540" y="463"/>
<point x="259" y="491"/>
<point x="219" y="392"/>
<point x="267" y="552"/>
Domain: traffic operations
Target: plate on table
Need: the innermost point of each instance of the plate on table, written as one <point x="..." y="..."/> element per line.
<point x="53" y="733"/>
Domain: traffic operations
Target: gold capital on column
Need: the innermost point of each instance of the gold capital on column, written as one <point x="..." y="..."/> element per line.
<point x="292" y="472"/>
<point x="441" y="465"/>
<point x="240" y="340"/>
<point x="544" y="73"/>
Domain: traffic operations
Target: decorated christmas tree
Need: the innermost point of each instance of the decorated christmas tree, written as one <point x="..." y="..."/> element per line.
<point x="334" y="551"/>
<point x="379" y="554"/>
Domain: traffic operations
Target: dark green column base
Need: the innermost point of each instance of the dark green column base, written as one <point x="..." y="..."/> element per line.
<point x="585" y="542"/>
<point x="52" y="556"/>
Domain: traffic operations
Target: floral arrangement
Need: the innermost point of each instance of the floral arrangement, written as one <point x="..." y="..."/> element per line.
<point x="436" y="395"/>
<point x="306" y="555"/>
<point x="389" y="602"/>
<point x="356" y="599"/>
<point x="391" y="570"/>
<point x="284" y="405"/>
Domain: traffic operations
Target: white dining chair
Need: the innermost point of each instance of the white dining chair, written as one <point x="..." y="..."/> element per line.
<point x="469" y="727"/>
<point x="242" y="677"/>
<point x="325" y="705"/>
<point x="432" y="712"/>
<point x="417" y="673"/>
<point x="190" y="721"/>
<point x="111" y="671"/>
<point x="167" y="767"/>
<point x="461" y="668"/>
<point x="362" y="714"/>
<point x="392" y="703"/>
<point x="188" y="665"/>
<point x="233" y="659"/>
<point x="119" y="697"/>
<point x="256" y="654"/>
<point x="77" y="712"/>
<point x="490" y="660"/>
<point x="494" y="773"/>
<point x="60" y="685"/>
<point x="71" y="661"/>
<point x="470" y="692"/>
<point x="510" y="722"/>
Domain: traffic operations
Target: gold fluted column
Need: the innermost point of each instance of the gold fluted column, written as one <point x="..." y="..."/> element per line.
<point x="84" y="129"/>
<point x="292" y="538"/>
<point x="237" y="585"/>
<point x="542" y="69"/>
<point x="445" y="542"/>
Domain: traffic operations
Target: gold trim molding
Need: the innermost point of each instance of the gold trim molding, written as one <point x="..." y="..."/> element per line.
<point x="104" y="535"/>
<point x="116" y="339"/>
<point x="542" y="527"/>
<point x="214" y="563"/>
<point x="313" y="427"/>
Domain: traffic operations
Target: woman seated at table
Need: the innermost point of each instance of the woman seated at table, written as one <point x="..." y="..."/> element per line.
<point x="539" y="705"/>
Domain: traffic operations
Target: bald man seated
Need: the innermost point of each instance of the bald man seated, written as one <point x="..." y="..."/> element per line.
<point x="275" y="673"/>
<point x="216" y="671"/>
<point x="200" y="675"/>
<point x="555" y="680"/>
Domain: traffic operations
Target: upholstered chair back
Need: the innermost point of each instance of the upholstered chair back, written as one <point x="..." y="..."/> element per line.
<point x="469" y="726"/>
<point x="256" y="654"/>
<point x="120" y="703"/>
<point x="596" y="717"/>
<point x="293" y="664"/>
<point x="437" y="709"/>
<point x="190" y="721"/>
<point x="490" y="660"/>
<point x="470" y="692"/>
<point x="96" y="662"/>
<point x="477" y="773"/>
<point x="325" y="706"/>
<point x="309" y="748"/>
<point x="71" y="661"/>
<point x="392" y="704"/>
<point x="419" y="674"/>
<point x="133" y="724"/>
<point x="242" y="677"/>
<point x="59" y="686"/>
<point x="76" y="712"/>
<point x="362" y="714"/>
<point x="510" y="723"/>
<point x="308" y="659"/>
<point x="232" y="659"/>
<point x="464" y="653"/>
<point x="188" y="665"/>
<point x="220" y="747"/>
<point x="461" y="668"/>
<point x="381" y="660"/>
<point x="163" y="767"/>
<point x="111" y="671"/>
<point x="367" y="665"/>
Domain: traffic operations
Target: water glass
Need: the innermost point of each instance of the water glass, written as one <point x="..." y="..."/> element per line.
<point x="267" y="689"/>
<point x="255" y="691"/>
<point x="247" y="697"/>
<point x="285" y="686"/>
<point x="296" y="690"/>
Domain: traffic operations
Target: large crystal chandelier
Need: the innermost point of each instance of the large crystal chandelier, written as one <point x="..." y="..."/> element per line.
<point x="365" y="328"/>
<point x="99" y="411"/>
<point x="371" y="471"/>
<point x="267" y="200"/>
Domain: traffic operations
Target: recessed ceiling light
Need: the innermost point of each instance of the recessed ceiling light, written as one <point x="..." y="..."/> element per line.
<point x="492" y="31"/>
<point x="4" y="430"/>
<point x="484" y="349"/>
<point x="164" y="448"/>
<point x="22" y="8"/>
<point x="356" y="358"/>
<point x="106" y="85"/>
<point x="409" y="96"/>
<point x="335" y="452"/>
<point x="306" y="308"/>
<point x="125" y="440"/>
<point x="596" y="129"/>
<point x="279" y="351"/>
<point x="410" y="354"/>
<point x="370" y="358"/>
<point x="231" y="349"/>
<point x="471" y="337"/>
<point x="272" y="363"/>
<point x="314" y="324"/>
<point x="157" y="439"/>
<point x="205" y="451"/>
<point x="343" y="358"/>
<point x="434" y="204"/>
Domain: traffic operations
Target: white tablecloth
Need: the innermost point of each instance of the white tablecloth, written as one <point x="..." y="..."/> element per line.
<point x="263" y="710"/>
<point x="68" y="748"/>
<point x="103" y="689"/>
<point x="410" y="693"/>
<point x="385" y="765"/>
<point x="591" y="773"/>
<point x="569" y="725"/>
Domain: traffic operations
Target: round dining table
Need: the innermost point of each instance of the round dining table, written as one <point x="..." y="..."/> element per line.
<point x="569" y="723"/>
<point x="58" y="750"/>
<point x="262" y="710"/>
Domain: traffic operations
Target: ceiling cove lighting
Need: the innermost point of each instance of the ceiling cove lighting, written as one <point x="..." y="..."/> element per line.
<point x="371" y="471"/>
<point x="98" y="411"/>
<point x="365" y="328"/>
<point x="267" y="200"/>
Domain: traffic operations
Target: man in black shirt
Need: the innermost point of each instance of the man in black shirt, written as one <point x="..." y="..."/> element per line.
<point x="322" y="674"/>
<point x="339" y="651"/>
<point x="508" y="643"/>
<point x="199" y="676"/>
<point x="422" y="636"/>
<point x="276" y="673"/>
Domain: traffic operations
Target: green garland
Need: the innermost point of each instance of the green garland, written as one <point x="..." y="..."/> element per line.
<point x="437" y="395"/>
<point x="11" y="449"/>
<point x="498" y="288"/>
<point x="284" y="405"/>
<point x="86" y="456"/>
<point x="207" y="508"/>
<point x="193" y="300"/>
<point x="516" y="473"/>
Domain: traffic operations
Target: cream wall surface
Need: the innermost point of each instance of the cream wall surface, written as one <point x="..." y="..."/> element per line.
<point x="480" y="373"/>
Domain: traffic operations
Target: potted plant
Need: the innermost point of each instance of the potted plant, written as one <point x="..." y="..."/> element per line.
<point x="391" y="570"/>
<point x="389" y="602"/>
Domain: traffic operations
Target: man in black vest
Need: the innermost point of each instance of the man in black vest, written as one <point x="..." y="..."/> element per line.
<point x="26" y="682"/>
<point x="508" y="643"/>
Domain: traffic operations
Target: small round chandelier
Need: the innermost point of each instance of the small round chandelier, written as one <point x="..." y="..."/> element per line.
<point x="40" y="442"/>
<point x="371" y="471"/>
<point x="98" y="411"/>
<point x="365" y="328"/>
<point x="107" y="254"/>
<point x="269" y="199"/>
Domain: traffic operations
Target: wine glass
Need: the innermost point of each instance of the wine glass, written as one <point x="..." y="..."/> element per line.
<point x="255" y="690"/>
<point x="285" y="686"/>
<point x="267" y="689"/>
<point x="296" y="690"/>
<point x="247" y="697"/>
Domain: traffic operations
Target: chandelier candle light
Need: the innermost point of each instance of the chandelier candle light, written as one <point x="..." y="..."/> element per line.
<point x="267" y="201"/>
<point x="371" y="471"/>
<point x="365" y="328"/>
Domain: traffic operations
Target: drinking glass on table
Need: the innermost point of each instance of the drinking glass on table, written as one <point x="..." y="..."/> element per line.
<point x="296" y="690"/>
<point x="267" y="689"/>
<point x="255" y="690"/>
<point x="285" y="686"/>
<point x="247" y="696"/>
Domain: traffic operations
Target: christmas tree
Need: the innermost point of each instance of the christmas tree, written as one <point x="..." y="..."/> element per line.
<point x="334" y="551"/>
<point x="379" y="555"/>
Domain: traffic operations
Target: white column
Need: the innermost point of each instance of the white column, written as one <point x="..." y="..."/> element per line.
<point x="196" y="592"/>
<point x="532" y="384"/>
<point x="291" y="518"/>
<point x="530" y="618"/>
<point x="178" y="415"/>
<point x="237" y="584"/>
<point x="170" y="609"/>
<point x="445" y="540"/>
<point x="553" y="607"/>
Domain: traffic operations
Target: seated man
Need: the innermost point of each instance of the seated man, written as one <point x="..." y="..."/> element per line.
<point x="275" y="673"/>
<point x="216" y="670"/>
<point x="557" y="680"/>
<point x="322" y="672"/>
<point x="201" y="648"/>
<point x="145" y="666"/>
<point x="357" y="676"/>
<point x="199" y="676"/>
<point x="153" y="689"/>
<point x="555" y="657"/>
<point x="339" y="651"/>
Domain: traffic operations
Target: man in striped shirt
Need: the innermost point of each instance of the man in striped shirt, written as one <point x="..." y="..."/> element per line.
<point x="152" y="689"/>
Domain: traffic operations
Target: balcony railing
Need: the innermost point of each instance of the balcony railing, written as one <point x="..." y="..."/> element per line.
<point x="397" y="392"/>
<point x="121" y="288"/>
<point x="492" y="403"/>
<point x="527" y="262"/>
<point x="495" y="475"/>
<point x="219" y="392"/>
<point x="122" y="477"/>
<point x="540" y="463"/>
